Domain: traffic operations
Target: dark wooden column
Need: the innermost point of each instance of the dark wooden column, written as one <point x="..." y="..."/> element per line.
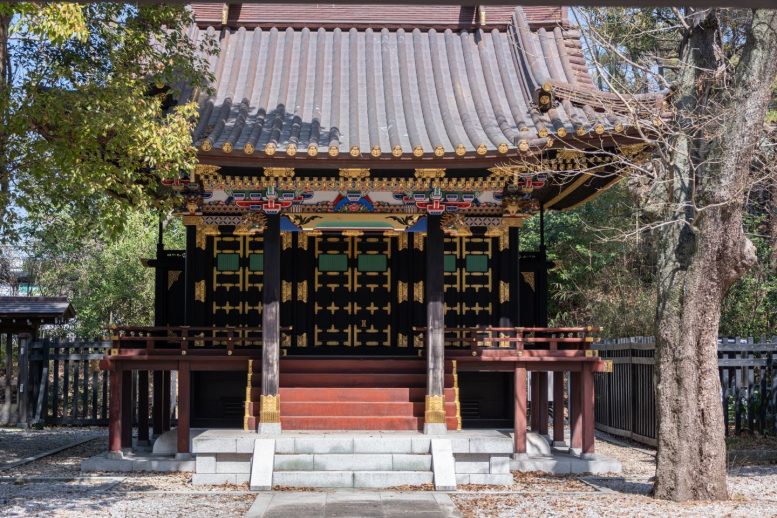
<point x="158" y="405"/>
<point x="143" y="407"/>
<point x="542" y="402"/>
<point x="114" y="420"/>
<point x="575" y="417"/>
<point x="166" y="400"/>
<point x="270" y="405"/>
<point x="587" y="408"/>
<point x="534" y="385"/>
<point x="541" y="277"/>
<point x="434" y="416"/>
<point x="23" y="397"/>
<point x="189" y="269"/>
<point x="519" y="421"/>
<point x="514" y="238"/>
<point x="558" y="408"/>
<point x="8" y="373"/>
<point x="184" y="405"/>
<point x="126" y="409"/>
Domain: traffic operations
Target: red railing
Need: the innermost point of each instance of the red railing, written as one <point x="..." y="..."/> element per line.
<point x="182" y="340"/>
<point x="519" y="338"/>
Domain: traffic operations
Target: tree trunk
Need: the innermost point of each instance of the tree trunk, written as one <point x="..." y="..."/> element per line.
<point x="5" y="88"/>
<point x="704" y="250"/>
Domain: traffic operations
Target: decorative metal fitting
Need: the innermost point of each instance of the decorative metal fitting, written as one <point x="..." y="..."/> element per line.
<point x="396" y="151"/>
<point x="207" y="145"/>
<point x="248" y="149"/>
<point x="312" y="150"/>
<point x="334" y="151"/>
<point x="291" y="149"/>
<point x="355" y="151"/>
<point x="418" y="151"/>
<point x="460" y="150"/>
<point x="439" y="151"/>
<point x="503" y="148"/>
<point x="269" y="149"/>
<point x="375" y="151"/>
<point x="227" y="147"/>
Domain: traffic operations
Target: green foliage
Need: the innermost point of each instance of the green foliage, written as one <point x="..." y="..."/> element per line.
<point x="602" y="274"/>
<point x="90" y="121"/>
<point x="104" y="277"/>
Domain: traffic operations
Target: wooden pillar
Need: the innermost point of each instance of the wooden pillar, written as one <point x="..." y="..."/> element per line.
<point x="575" y="417"/>
<point x="270" y="404"/>
<point x="143" y="407"/>
<point x="184" y="406"/>
<point x="8" y="375"/>
<point x="542" y="403"/>
<point x="157" y="408"/>
<point x="434" y="415"/>
<point x="534" y="381"/>
<point x="126" y="408"/>
<point x="514" y="234"/>
<point x="587" y="408"/>
<point x="114" y="420"/>
<point x="189" y="267"/>
<point x="519" y="421"/>
<point x="558" y="408"/>
<point x="166" y="400"/>
<point x="22" y="385"/>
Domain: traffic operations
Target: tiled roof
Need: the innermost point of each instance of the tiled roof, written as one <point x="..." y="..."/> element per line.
<point x="39" y="307"/>
<point x="313" y="16"/>
<point x="396" y="94"/>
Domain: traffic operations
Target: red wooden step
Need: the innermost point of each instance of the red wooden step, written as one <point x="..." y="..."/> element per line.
<point x="353" y="394"/>
<point x="355" y="365"/>
<point x="347" y="408"/>
<point x="350" y="379"/>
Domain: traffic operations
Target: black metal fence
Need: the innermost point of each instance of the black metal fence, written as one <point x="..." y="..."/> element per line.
<point x="625" y="398"/>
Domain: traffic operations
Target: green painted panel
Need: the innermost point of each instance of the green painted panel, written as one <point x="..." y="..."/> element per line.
<point x="256" y="262"/>
<point x="449" y="263"/>
<point x="333" y="262"/>
<point x="228" y="262"/>
<point x="477" y="263"/>
<point x="372" y="263"/>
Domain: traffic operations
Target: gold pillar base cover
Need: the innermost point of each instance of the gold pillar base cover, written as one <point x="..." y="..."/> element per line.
<point x="270" y="409"/>
<point x="435" y="409"/>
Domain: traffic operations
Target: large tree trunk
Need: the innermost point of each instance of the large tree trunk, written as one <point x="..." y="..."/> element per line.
<point x="703" y="250"/>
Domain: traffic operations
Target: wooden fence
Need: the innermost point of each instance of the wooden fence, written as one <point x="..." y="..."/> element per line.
<point x="66" y="384"/>
<point x="625" y="398"/>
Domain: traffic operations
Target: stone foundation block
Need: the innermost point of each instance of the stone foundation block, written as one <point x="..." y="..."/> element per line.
<point x="409" y="462"/>
<point x="233" y="463"/>
<point x="313" y="478"/>
<point x="382" y="479"/>
<point x="352" y="462"/>
<point x="303" y="462"/>
<point x="213" y="479"/>
<point x="382" y="445"/>
<point x="205" y="463"/>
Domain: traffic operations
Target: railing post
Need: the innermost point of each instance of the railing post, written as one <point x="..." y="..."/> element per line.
<point x="558" y="409"/>
<point x="143" y="407"/>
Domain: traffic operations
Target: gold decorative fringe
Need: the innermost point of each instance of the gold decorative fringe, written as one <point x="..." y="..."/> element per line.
<point x="270" y="409"/>
<point x="435" y="409"/>
<point x="456" y="394"/>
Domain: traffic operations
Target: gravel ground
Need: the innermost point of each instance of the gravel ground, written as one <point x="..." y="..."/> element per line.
<point x="73" y="494"/>
<point x="17" y="444"/>
<point x="753" y="492"/>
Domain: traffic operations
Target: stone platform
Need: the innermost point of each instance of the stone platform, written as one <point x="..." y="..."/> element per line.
<point x="354" y="459"/>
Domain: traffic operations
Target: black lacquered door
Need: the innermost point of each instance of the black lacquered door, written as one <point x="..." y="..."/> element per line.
<point x="353" y="294"/>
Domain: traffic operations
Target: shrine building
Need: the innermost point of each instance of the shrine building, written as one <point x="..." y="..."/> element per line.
<point x="353" y="257"/>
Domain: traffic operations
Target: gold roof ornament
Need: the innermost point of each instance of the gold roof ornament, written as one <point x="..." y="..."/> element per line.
<point x="418" y="151"/>
<point x="279" y="172"/>
<point x="375" y="151"/>
<point x="355" y="151"/>
<point x="269" y="149"/>
<point x="481" y="149"/>
<point x="227" y="147"/>
<point x="206" y="145"/>
<point x="396" y="151"/>
<point x="543" y="132"/>
<point x="354" y="173"/>
<point x="439" y="151"/>
<point x="429" y="174"/>
<point x="503" y="148"/>
<point x="291" y="149"/>
<point x="599" y="129"/>
<point x="460" y="150"/>
<point x="523" y="146"/>
<point x="334" y="151"/>
<point x="561" y="132"/>
<point x="312" y="150"/>
<point x="248" y="149"/>
<point x="580" y="131"/>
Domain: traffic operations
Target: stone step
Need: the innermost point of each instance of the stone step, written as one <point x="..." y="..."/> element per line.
<point x="487" y="479"/>
<point x="354" y="479"/>
<point x="482" y="463"/>
<point x="353" y="462"/>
